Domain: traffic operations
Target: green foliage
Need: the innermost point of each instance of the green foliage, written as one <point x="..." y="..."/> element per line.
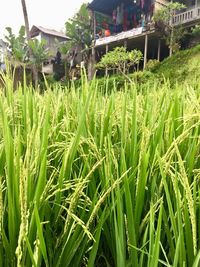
<point x="163" y="19"/>
<point x="152" y="64"/>
<point x="165" y="14"/>
<point x="19" y="48"/>
<point x="39" y="52"/>
<point x="89" y="178"/>
<point x="178" y="34"/>
<point x="117" y="82"/>
<point x="79" y="28"/>
<point x="112" y="83"/>
<point x="120" y="59"/>
<point x="17" y="44"/>
<point x="182" y="66"/>
<point x="65" y="47"/>
<point x="195" y="30"/>
<point x="145" y="78"/>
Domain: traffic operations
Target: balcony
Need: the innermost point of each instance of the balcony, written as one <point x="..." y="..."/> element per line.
<point x="191" y="15"/>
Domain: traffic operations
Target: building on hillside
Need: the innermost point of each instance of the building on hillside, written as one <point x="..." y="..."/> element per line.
<point x="53" y="40"/>
<point x="190" y="16"/>
<point x="129" y="23"/>
<point x="52" y="37"/>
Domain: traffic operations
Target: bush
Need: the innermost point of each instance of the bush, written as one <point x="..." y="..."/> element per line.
<point x="120" y="59"/>
<point x="143" y="76"/>
<point x="152" y="64"/>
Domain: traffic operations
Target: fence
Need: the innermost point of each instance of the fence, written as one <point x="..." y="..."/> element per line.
<point x="189" y="15"/>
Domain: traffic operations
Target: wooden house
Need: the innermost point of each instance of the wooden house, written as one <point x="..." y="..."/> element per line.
<point x="53" y="39"/>
<point x="129" y="23"/>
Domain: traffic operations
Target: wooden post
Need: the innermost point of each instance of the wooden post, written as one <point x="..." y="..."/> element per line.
<point x="91" y="64"/>
<point x="106" y="53"/>
<point x="145" y="50"/>
<point x="94" y="34"/>
<point x="125" y="45"/>
<point x="92" y="59"/>
<point x="172" y="33"/>
<point x="159" y="45"/>
<point x="94" y="26"/>
<point x="171" y="43"/>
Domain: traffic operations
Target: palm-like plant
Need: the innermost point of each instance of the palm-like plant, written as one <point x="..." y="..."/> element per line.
<point x="79" y="28"/>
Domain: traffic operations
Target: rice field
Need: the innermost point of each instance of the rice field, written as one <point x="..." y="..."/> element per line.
<point x="91" y="178"/>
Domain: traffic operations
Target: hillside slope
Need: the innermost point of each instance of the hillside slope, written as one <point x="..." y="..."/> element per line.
<point x="184" y="66"/>
<point x="181" y="66"/>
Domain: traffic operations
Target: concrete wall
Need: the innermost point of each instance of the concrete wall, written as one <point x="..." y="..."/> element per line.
<point x="52" y="42"/>
<point x="3" y="50"/>
<point x="160" y="4"/>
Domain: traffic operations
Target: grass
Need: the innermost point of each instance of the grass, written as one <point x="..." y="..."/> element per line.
<point x="100" y="178"/>
<point x="181" y="67"/>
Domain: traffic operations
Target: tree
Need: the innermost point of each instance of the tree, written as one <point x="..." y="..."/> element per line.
<point x="78" y="28"/>
<point x="172" y="34"/>
<point x="26" y="21"/>
<point x="120" y="59"/>
<point x="17" y="45"/>
<point x="39" y="52"/>
<point x="19" y="49"/>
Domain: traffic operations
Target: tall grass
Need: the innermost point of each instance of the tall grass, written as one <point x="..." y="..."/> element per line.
<point x="91" y="178"/>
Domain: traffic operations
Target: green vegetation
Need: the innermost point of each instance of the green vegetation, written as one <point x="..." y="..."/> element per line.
<point x="23" y="51"/>
<point x="120" y="59"/>
<point x="184" y="66"/>
<point x="19" y="48"/>
<point x="172" y="34"/>
<point x="79" y="29"/>
<point x="92" y="178"/>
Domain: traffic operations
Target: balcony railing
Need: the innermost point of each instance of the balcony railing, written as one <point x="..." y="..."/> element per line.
<point x="189" y="15"/>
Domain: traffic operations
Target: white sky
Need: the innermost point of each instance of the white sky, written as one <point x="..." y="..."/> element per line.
<point x="51" y="14"/>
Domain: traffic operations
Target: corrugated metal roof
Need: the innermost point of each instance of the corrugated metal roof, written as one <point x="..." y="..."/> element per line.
<point x="35" y="29"/>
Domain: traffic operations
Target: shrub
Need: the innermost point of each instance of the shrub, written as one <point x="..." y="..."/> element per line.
<point x="120" y="59"/>
<point x="152" y="64"/>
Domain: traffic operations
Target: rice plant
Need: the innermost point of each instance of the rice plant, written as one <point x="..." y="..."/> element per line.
<point x="100" y="178"/>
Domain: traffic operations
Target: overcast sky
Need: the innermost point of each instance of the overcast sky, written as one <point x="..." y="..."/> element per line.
<point x="51" y="14"/>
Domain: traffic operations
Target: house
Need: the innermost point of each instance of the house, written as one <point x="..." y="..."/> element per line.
<point x="53" y="38"/>
<point x="190" y="16"/>
<point x="129" y="23"/>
